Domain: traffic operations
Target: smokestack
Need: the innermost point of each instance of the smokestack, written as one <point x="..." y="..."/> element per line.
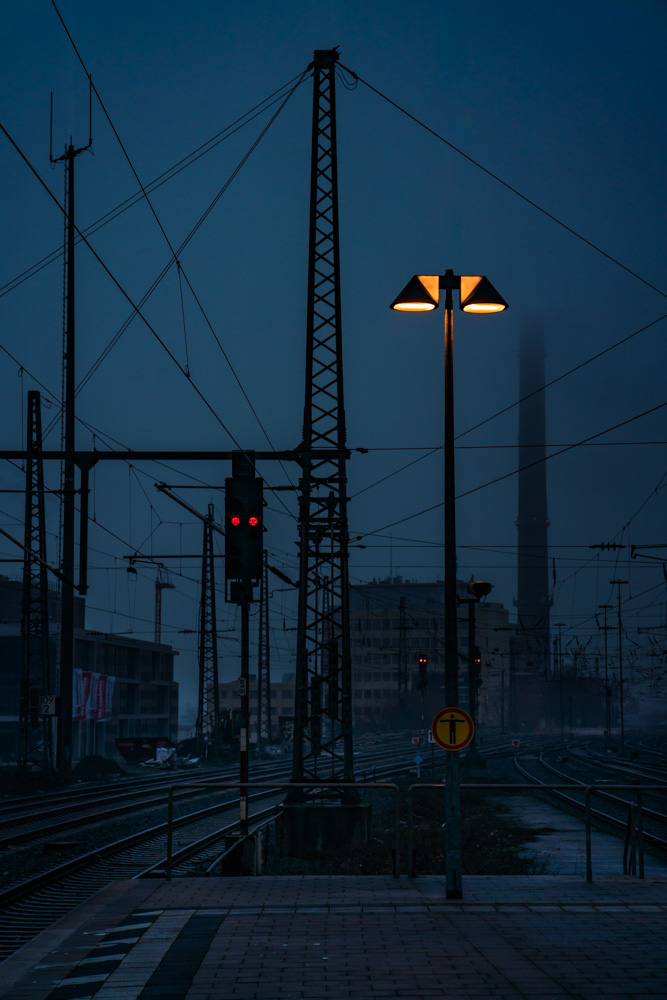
<point x="533" y="601"/>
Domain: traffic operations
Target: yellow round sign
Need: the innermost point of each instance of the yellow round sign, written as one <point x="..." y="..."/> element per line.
<point x="452" y="729"/>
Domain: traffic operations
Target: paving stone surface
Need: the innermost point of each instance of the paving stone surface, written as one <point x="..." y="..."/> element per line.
<point x="336" y="937"/>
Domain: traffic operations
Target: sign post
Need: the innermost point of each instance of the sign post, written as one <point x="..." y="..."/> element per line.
<point x="453" y="729"/>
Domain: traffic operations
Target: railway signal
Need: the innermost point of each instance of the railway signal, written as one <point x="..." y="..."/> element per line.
<point x="423" y="678"/>
<point x="243" y="529"/>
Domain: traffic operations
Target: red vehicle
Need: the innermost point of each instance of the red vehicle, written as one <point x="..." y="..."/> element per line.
<point x="139" y="749"/>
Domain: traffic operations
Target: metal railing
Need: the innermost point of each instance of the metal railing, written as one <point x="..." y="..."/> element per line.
<point x="633" y="854"/>
<point x="385" y="786"/>
<point x="634" y="838"/>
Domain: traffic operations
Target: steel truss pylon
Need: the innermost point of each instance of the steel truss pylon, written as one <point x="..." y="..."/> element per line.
<point x="35" y="739"/>
<point x="208" y="732"/>
<point x="264" y="721"/>
<point x="323" y="697"/>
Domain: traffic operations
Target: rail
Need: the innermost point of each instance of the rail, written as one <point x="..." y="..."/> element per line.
<point x="634" y="838"/>
<point x="386" y="786"/>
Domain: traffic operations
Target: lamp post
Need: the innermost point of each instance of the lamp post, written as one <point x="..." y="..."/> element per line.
<point x="477" y="294"/>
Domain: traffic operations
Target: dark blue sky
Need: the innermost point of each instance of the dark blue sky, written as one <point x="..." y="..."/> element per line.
<point x="564" y="102"/>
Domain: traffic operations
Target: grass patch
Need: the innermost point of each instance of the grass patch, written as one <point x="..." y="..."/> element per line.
<point x="493" y="841"/>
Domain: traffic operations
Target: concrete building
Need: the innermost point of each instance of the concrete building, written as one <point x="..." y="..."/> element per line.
<point x="122" y="686"/>
<point x="282" y="706"/>
<point x="399" y="619"/>
<point x="394" y="619"/>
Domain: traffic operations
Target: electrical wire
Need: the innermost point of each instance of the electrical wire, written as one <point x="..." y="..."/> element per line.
<point x="515" y="472"/>
<point x="505" y="184"/>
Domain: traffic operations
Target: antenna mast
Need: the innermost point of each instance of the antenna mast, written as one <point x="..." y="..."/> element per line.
<point x="66" y="658"/>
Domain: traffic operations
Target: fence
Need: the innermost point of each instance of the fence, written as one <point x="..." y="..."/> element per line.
<point x="386" y="786"/>
<point x="634" y="841"/>
<point x="634" y="838"/>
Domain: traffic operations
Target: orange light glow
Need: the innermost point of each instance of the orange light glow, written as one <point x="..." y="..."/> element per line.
<point x="479" y="296"/>
<point x="484" y="307"/>
<point x="414" y="306"/>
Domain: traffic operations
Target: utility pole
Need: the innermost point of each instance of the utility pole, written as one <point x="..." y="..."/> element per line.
<point x="323" y="666"/>
<point x="66" y="659"/>
<point x="244" y="565"/>
<point x="559" y="626"/>
<point x="162" y="582"/>
<point x="619" y="584"/>
<point x="402" y="653"/>
<point x="607" y="689"/>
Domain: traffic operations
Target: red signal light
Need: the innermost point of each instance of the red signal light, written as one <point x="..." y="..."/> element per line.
<point x="253" y="522"/>
<point x="235" y="520"/>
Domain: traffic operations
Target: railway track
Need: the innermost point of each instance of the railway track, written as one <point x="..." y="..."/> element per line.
<point x="31" y="905"/>
<point x="610" y="807"/>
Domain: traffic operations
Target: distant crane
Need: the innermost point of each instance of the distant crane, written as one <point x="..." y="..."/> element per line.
<point x="162" y="582"/>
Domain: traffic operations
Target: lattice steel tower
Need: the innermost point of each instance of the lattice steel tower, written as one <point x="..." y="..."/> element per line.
<point x="323" y="703"/>
<point x="208" y="732"/>
<point x="35" y="740"/>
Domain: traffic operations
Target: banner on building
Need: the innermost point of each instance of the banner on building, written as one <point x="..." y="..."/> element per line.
<point x="286" y="728"/>
<point x="91" y="704"/>
<point x="92" y="696"/>
<point x="81" y="681"/>
<point x="104" y="697"/>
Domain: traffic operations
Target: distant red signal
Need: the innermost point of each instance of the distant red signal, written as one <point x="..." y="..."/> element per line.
<point x="235" y="520"/>
<point x="253" y="521"/>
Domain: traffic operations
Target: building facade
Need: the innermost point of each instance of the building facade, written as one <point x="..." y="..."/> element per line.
<point x="396" y="623"/>
<point x="122" y="686"/>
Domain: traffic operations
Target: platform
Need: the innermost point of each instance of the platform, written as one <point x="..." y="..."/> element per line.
<point x="543" y="936"/>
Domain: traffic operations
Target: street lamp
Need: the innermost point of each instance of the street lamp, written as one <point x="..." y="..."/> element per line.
<point x="477" y="294"/>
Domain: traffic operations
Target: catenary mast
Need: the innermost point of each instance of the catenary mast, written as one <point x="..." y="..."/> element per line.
<point x="323" y="709"/>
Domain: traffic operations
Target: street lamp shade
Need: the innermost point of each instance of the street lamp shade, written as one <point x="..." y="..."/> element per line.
<point x="479" y="296"/>
<point x="421" y="294"/>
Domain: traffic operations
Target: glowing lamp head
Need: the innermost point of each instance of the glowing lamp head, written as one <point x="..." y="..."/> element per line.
<point x="235" y="520"/>
<point x="479" y="296"/>
<point x="253" y="522"/>
<point x="421" y="294"/>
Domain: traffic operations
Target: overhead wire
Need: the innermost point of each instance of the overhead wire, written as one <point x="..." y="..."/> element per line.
<point x="176" y="253"/>
<point x="515" y="472"/>
<point x="505" y="184"/>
